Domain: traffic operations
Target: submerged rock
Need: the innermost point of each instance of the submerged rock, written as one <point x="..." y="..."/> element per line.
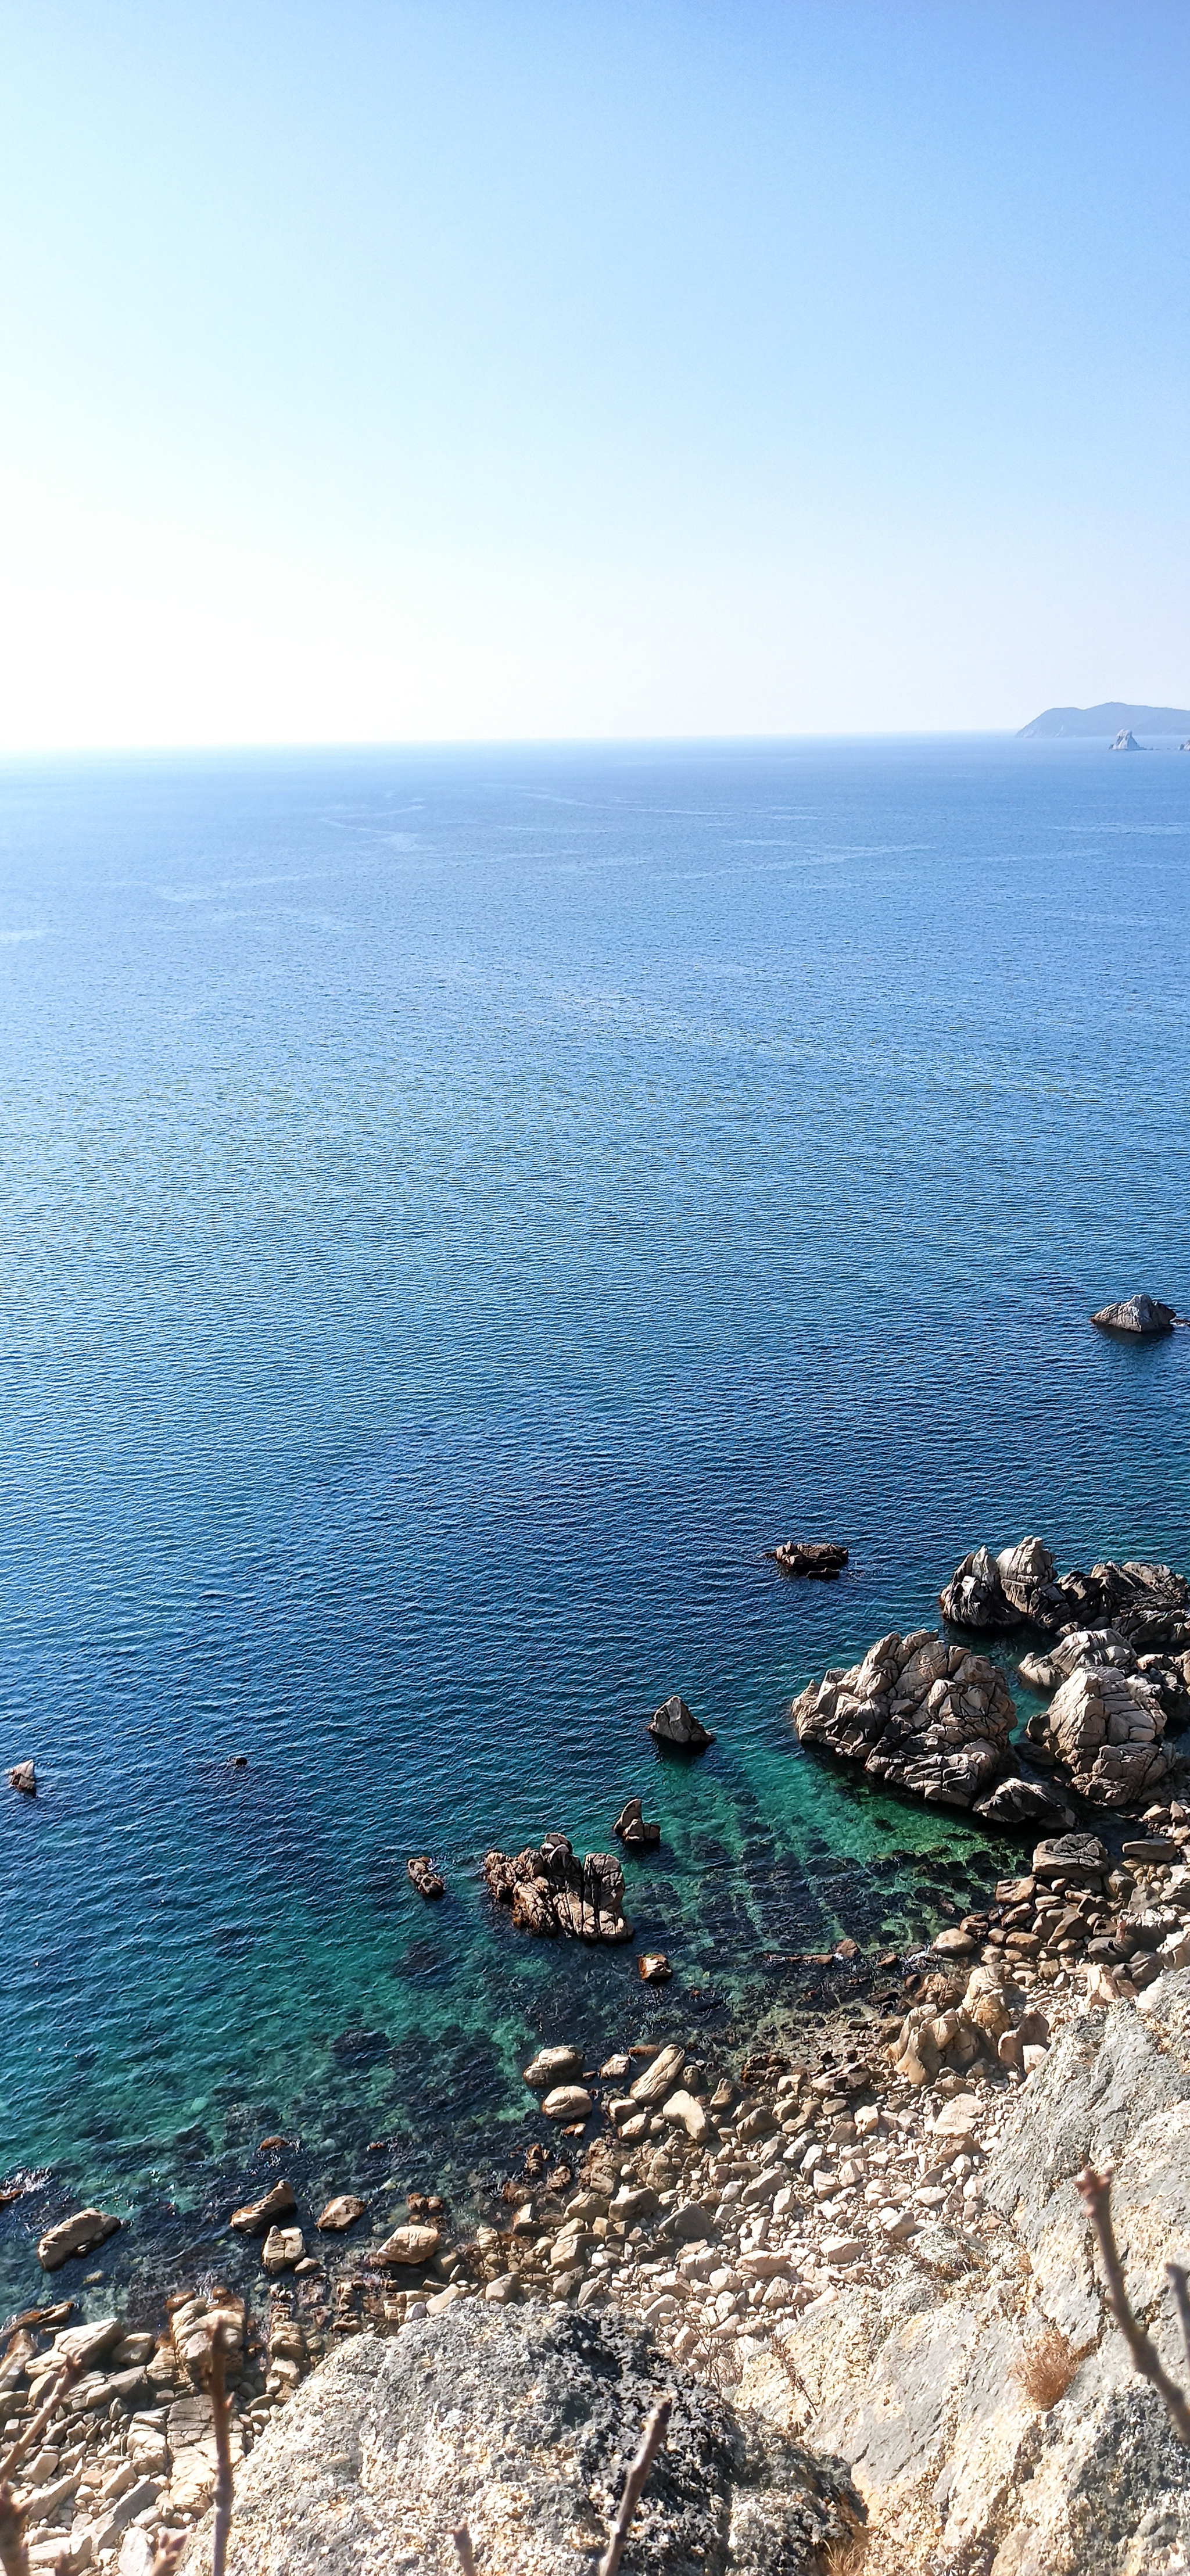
<point x="522" y="2425"/>
<point x="1145" y="1315"/>
<point x="674" y="1723"/>
<point x="919" y="1715"/>
<point x="341" y="2213"/>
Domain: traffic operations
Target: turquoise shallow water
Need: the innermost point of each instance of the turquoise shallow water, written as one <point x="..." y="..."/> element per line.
<point x="457" y="1211"/>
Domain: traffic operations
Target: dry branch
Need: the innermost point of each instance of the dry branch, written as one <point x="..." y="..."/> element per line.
<point x="26" y="2441"/>
<point x="1177" y="2278"/>
<point x="14" y="2557"/>
<point x="462" y="2542"/>
<point x="221" y="2426"/>
<point x="167" y="2551"/>
<point x="1096" y="2192"/>
<point x="650" y="2443"/>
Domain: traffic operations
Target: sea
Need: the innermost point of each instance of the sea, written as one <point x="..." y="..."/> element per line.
<point x="460" y="1208"/>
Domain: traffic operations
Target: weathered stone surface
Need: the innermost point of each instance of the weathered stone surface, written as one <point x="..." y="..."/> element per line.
<point x="74" y="2235"/>
<point x="1141" y="1314"/>
<point x="422" y="1875"/>
<point x="683" y="2112"/>
<point x="917" y="1713"/>
<point x="23" y="1776"/>
<point x="820" y="1557"/>
<point x="674" y="1723"/>
<point x="1148" y="1605"/>
<point x="914" y="2383"/>
<point x="1081" y="1859"/>
<point x="257" y="2216"/>
<point x="521" y="2426"/>
<point x="653" y="1968"/>
<point x="1107" y="1726"/>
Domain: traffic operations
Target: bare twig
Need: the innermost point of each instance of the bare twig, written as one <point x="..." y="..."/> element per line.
<point x="221" y="2427"/>
<point x="26" y="2441"/>
<point x="1175" y="2274"/>
<point x="650" y="2443"/>
<point x="167" y="2551"/>
<point x="462" y="2542"/>
<point x="14" y="2557"/>
<point x="1096" y="2192"/>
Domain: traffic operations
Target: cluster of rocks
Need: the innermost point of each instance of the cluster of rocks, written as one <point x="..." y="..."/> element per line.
<point x="1082" y="1649"/>
<point x="550" y="1891"/>
<point x="1149" y="1605"/>
<point x="129" y="2449"/>
<point x="930" y="1718"/>
<point x="423" y="1876"/>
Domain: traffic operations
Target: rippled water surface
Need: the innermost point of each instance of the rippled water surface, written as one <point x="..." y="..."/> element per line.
<point x="458" y="1210"/>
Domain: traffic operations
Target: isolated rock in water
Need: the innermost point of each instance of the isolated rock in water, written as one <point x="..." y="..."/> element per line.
<point x="993" y="1593"/>
<point x="653" y="1968"/>
<point x="823" y="1557"/>
<point x="630" y="1828"/>
<point x="523" y="2429"/>
<point x="422" y="1875"/>
<point x="674" y="1723"/>
<point x="409" y="2246"/>
<point x="1136" y="1315"/>
<point x="1108" y="1727"/>
<point x="918" y="1714"/>
<point x="552" y="2066"/>
<point x="1126" y="741"/>
<point x="341" y="2213"/>
<point x="1023" y="1802"/>
<point x="75" y="2235"/>
<point x="23" y="1776"/>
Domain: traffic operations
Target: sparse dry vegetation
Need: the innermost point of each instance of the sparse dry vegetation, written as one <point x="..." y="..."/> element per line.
<point x="1044" y="2370"/>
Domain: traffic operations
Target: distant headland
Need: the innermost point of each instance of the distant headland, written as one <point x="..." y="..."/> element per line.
<point x="1113" y="718"/>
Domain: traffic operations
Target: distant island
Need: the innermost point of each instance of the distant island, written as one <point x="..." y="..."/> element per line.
<point x="1113" y="718"/>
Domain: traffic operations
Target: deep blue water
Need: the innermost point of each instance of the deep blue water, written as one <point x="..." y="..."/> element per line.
<point x="458" y="1210"/>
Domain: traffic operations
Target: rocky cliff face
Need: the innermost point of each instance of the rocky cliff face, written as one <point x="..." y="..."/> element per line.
<point x="923" y="2386"/>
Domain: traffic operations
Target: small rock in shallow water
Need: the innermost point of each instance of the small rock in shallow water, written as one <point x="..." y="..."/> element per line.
<point x="341" y="2212"/>
<point x="409" y="2245"/>
<point x="631" y="1828"/>
<point x="823" y="1557"/>
<point x="653" y="1967"/>
<point x="23" y="1776"/>
<point x="422" y="1875"/>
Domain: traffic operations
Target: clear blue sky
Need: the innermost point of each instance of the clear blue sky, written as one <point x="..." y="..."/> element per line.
<point x="483" y="368"/>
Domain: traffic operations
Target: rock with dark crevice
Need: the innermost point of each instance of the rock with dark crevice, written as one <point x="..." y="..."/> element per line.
<point x="522" y="2426"/>
<point x="821" y="1558"/>
<point x="675" y="1724"/>
<point x="551" y="1891"/>
<point x="1107" y="1727"/>
<point x="919" y="1715"/>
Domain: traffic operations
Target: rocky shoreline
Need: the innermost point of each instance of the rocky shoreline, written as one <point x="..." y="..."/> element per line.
<point x="721" y="2208"/>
